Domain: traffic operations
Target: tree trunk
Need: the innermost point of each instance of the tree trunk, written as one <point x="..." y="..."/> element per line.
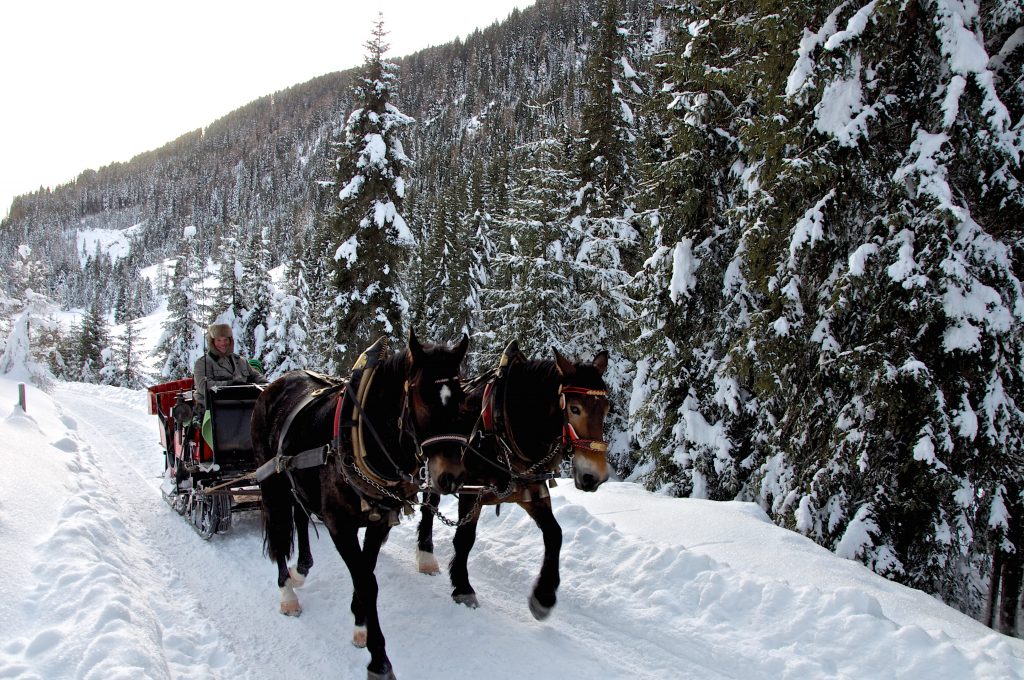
<point x="1013" y="564"/>
<point x="992" y="602"/>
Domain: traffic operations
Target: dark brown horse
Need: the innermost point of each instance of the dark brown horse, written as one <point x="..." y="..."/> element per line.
<point x="523" y="419"/>
<point x="352" y="452"/>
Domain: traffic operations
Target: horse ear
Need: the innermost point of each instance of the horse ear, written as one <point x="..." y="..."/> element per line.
<point x="565" y="367"/>
<point x="511" y="354"/>
<point x="601" y="361"/>
<point x="463" y="347"/>
<point x="415" y="348"/>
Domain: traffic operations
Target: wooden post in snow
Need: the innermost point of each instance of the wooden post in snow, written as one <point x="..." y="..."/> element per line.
<point x="21" y="397"/>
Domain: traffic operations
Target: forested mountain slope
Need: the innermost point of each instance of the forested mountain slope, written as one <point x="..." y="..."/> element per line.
<point x="797" y="228"/>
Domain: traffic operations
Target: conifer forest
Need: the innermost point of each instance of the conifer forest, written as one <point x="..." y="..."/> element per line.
<point x="797" y="228"/>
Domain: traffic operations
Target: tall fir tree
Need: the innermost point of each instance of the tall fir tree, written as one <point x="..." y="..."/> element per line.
<point x="891" y="232"/>
<point x="529" y="297"/>
<point x="229" y="299"/>
<point x="848" y="352"/>
<point x="373" y="242"/>
<point x="289" y="320"/>
<point x="689" y="411"/>
<point x="93" y="345"/>
<point x="606" y="243"/>
<point x="127" y="367"/>
<point x="182" y="341"/>
<point x="260" y="296"/>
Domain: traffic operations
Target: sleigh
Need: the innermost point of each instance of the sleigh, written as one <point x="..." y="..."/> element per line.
<point x="203" y="482"/>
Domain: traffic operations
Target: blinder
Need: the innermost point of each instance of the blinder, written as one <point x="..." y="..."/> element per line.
<point x="570" y="439"/>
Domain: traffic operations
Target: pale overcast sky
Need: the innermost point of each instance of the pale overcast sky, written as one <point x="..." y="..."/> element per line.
<point x="84" y="83"/>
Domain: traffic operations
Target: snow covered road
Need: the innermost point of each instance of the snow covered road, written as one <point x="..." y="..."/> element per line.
<point x="119" y="586"/>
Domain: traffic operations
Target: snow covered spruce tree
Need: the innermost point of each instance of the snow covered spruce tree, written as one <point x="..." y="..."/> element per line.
<point x="842" y="230"/>
<point x="443" y="271"/>
<point x="605" y="242"/>
<point x="478" y="225"/>
<point x="32" y="335"/>
<point x="690" y="406"/>
<point x="285" y="349"/>
<point x="456" y="252"/>
<point x="260" y="295"/>
<point x="373" y="242"/>
<point x="530" y="293"/>
<point x="885" y="361"/>
<point x="126" y="362"/>
<point x="319" y="274"/>
<point x="93" y="347"/>
<point x="182" y="341"/>
<point x="229" y="299"/>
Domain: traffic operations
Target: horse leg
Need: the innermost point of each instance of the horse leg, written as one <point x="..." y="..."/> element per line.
<point x="305" y="559"/>
<point x="543" y="598"/>
<point x="458" y="568"/>
<point x="364" y="587"/>
<point x="425" y="560"/>
<point x="376" y="536"/>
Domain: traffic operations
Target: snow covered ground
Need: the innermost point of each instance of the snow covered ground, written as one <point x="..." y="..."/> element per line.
<point x="103" y="580"/>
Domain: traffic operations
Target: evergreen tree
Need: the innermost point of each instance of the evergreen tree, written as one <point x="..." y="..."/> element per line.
<point x="606" y="244"/>
<point x="529" y="296"/>
<point x="319" y="344"/>
<point x="481" y="253"/>
<point x="689" y="404"/>
<point x="256" y="282"/>
<point x="33" y="337"/>
<point x="229" y="299"/>
<point x="849" y="350"/>
<point x="289" y="321"/>
<point x="906" y="305"/>
<point x="183" y="339"/>
<point x="374" y="243"/>
<point x="93" y="345"/>
<point x="128" y="370"/>
<point x="450" y="291"/>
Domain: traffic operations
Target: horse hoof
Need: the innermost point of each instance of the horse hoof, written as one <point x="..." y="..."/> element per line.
<point x="292" y="608"/>
<point x="468" y="599"/>
<point x="427" y="563"/>
<point x="296" y="580"/>
<point x="387" y="675"/>
<point x="359" y="639"/>
<point x="539" y="611"/>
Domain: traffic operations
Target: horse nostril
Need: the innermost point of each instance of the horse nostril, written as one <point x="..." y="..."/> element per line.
<point x="587" y="482"/>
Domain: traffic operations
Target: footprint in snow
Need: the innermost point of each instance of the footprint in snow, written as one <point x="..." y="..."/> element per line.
<point x="65" y="444"/>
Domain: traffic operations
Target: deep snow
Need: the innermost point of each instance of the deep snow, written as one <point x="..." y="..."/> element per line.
<point x="104" y="580"/>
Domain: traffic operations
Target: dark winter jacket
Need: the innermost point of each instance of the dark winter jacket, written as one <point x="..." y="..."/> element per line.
<point x="213" y="369"/>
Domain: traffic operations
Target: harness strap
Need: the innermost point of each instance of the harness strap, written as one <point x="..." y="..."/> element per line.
<point x="457" y="438"/>
<point x="300" y="461"/>
<point x="488" y="410"/>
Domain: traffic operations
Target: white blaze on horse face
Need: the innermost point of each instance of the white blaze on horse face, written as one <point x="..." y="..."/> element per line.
<point x="446" y="394"/>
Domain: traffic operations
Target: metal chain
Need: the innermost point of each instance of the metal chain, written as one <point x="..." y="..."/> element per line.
<point x="375" y="485"/>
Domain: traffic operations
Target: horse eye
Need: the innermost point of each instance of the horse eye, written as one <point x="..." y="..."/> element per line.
<point x="575" y="410"/>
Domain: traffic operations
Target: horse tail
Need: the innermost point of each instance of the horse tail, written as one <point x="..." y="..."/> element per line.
<point x="275" y="491"/>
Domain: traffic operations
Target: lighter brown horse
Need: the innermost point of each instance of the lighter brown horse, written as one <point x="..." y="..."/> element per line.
<point x="522" y="420"/>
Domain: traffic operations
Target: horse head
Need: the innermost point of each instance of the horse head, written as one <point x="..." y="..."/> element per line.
<point x="435" y="394"/>
<point x="584" y="403"/>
